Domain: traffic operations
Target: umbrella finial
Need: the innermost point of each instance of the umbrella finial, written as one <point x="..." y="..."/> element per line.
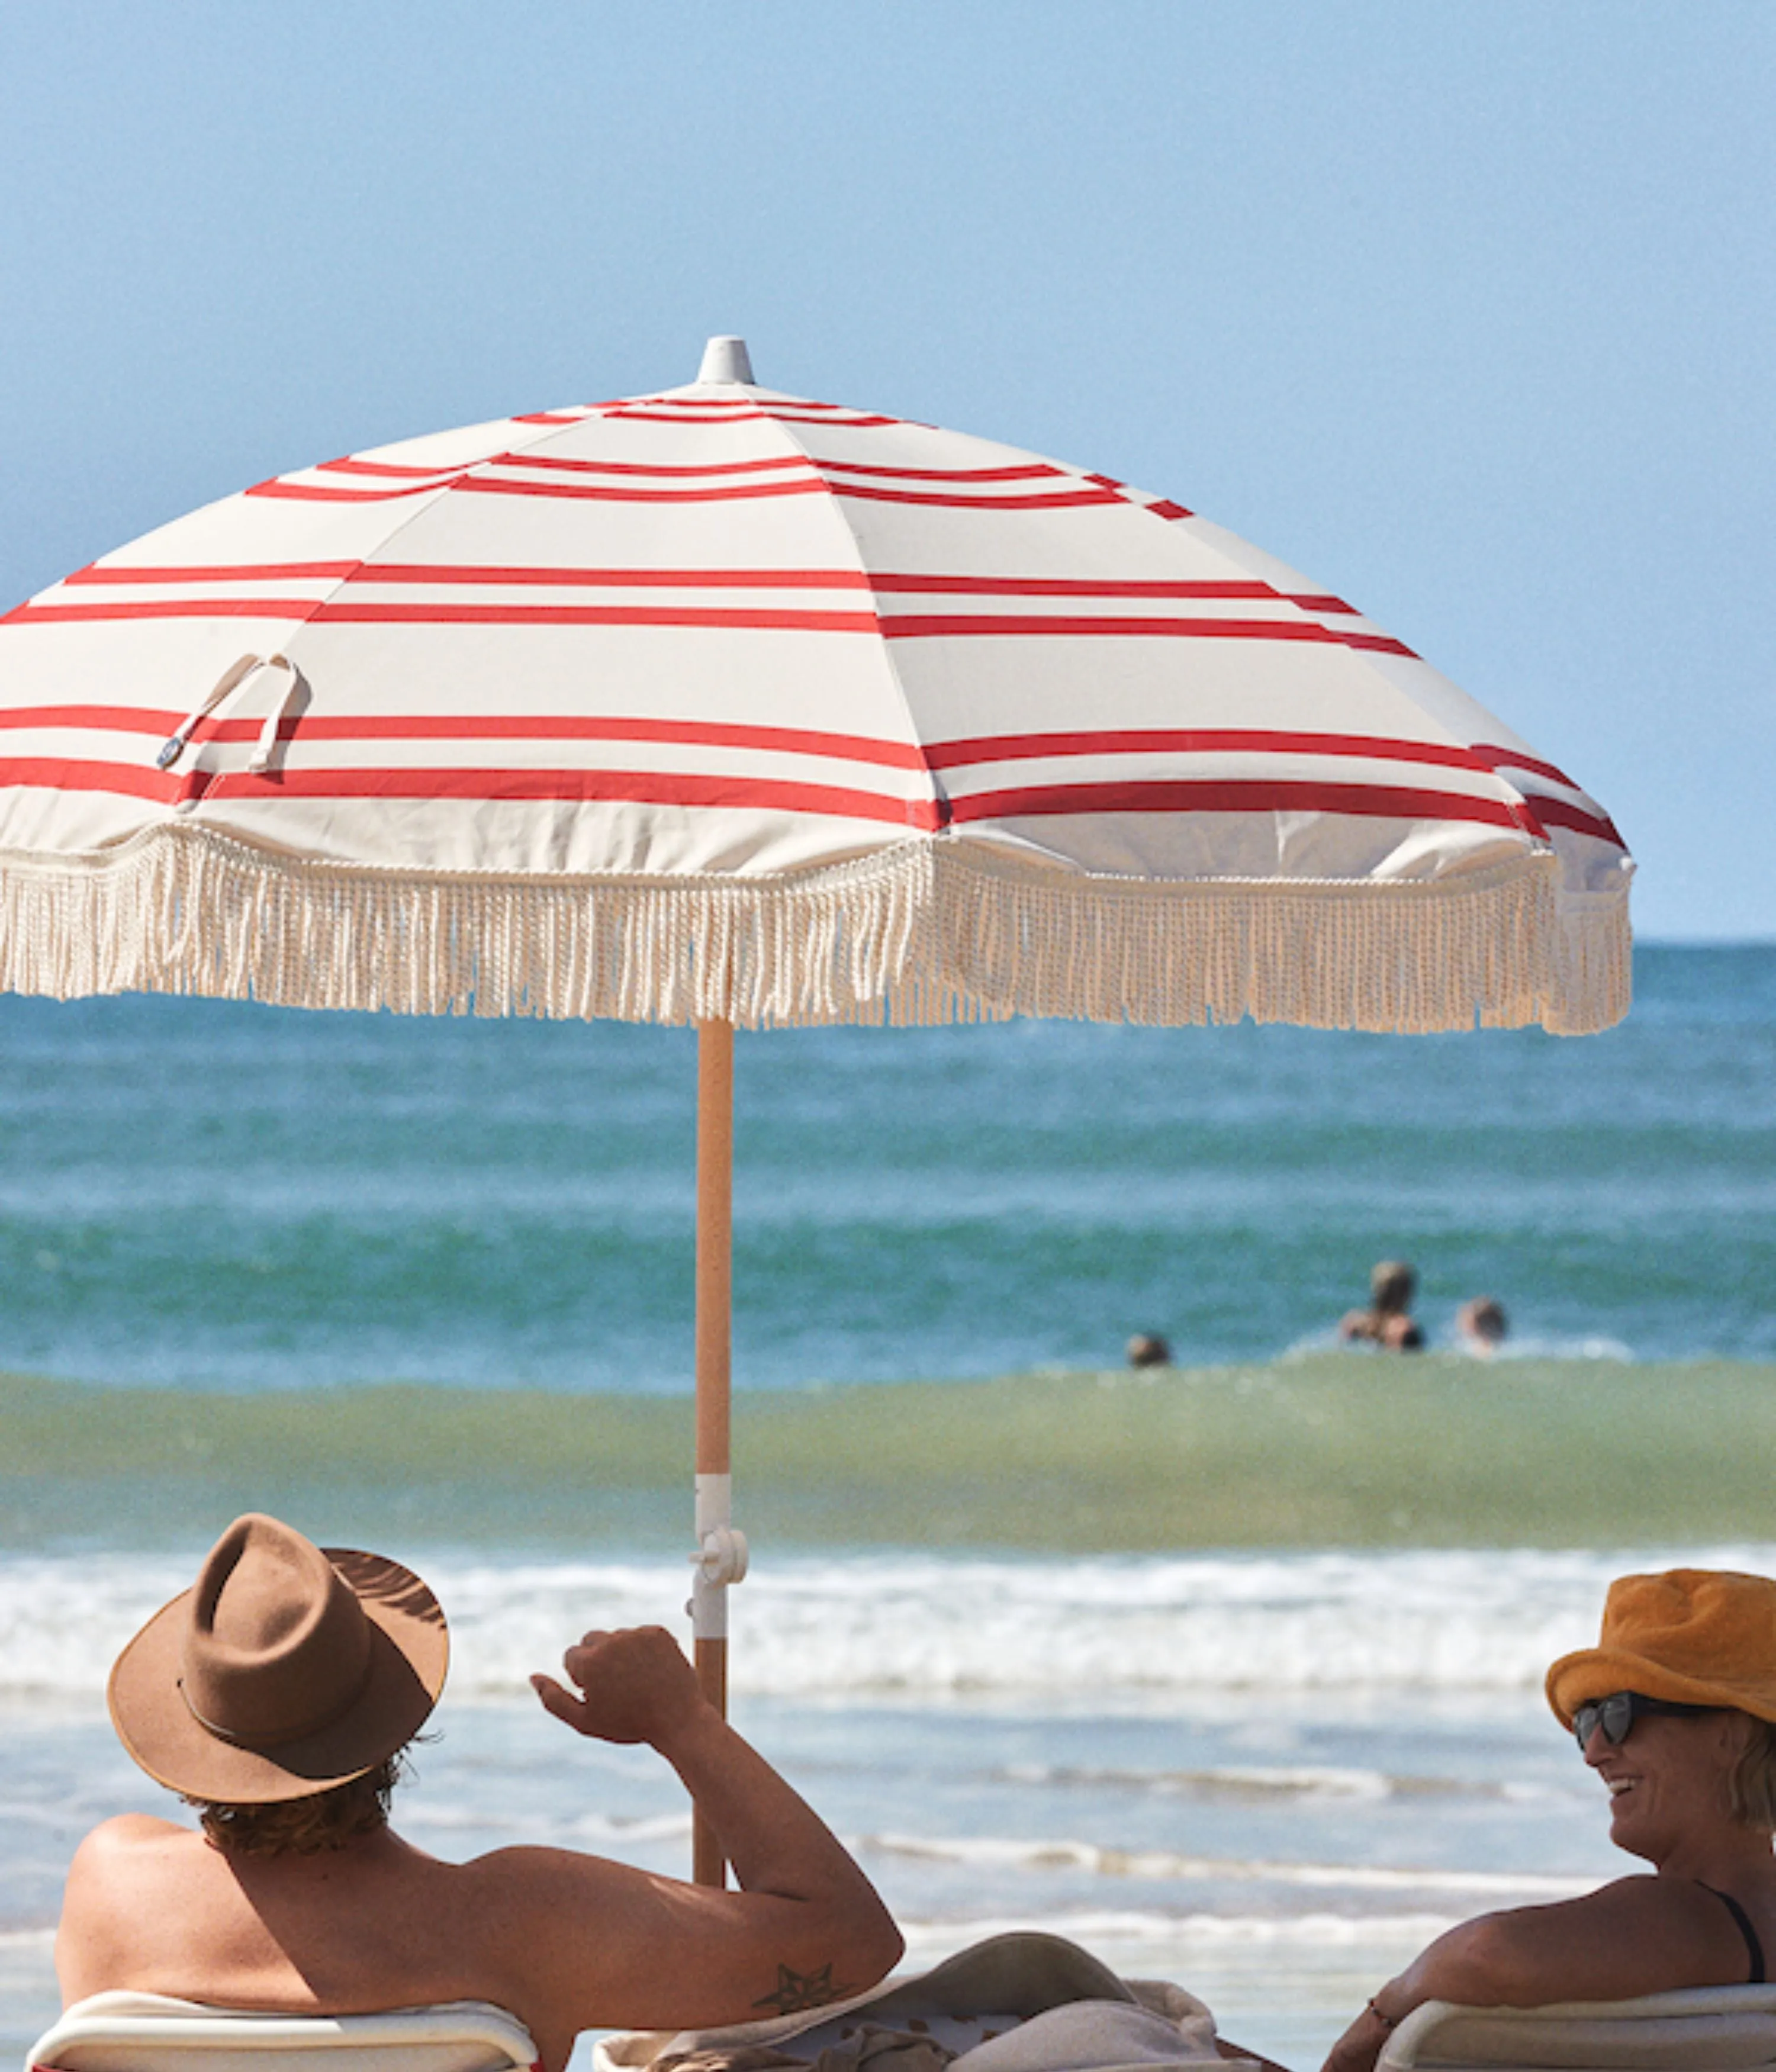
<point x="726" y="359"/>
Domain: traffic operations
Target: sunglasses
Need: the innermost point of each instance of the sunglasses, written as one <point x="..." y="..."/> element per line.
<point x="1618" y="1713"/>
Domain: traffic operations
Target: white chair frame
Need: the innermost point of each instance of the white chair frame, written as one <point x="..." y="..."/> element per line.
<point x="1714" y="2028"/>
<point x="148" y="2032"/>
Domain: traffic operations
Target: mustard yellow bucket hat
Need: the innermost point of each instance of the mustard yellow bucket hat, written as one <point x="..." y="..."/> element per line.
<point x="1694" y="1636"/>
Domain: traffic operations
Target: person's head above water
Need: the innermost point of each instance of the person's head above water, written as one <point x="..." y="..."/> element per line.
<point x="1481" y="1324"/>
<point x="1391" y="1283"/>
<point x="286" y="1670"/>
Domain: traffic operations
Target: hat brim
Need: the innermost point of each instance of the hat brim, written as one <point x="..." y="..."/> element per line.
<point x="409" y="1656"/>
<point x="1597" y="1672"/>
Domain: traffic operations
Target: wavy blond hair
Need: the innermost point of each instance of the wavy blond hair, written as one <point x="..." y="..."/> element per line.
<point x="1751" y="1784"/>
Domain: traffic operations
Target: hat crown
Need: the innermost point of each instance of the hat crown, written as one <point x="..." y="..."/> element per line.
<point x="277" y="1645"/>
<point x="1695" y="1636"/>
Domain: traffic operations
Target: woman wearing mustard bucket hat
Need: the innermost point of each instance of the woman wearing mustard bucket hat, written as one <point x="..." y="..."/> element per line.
<point x="1674" y="1710"/>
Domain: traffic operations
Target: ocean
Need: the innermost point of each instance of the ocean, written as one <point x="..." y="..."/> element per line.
<point x="1229" y="1670"/>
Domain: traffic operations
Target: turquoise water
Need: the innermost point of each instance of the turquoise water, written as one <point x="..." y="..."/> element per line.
<point x="229" y="1196"/>
<point x="1271" y="1774"/>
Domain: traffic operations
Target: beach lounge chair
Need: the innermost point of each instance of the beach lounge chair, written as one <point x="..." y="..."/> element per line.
<point x="147" y="2033"/>
<point x="1714" y="2028"/>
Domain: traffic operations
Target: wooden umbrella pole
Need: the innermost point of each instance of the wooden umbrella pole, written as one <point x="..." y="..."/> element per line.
<point x="722" y="1560"/>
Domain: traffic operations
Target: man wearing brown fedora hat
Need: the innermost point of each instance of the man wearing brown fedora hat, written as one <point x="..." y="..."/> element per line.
<point x="276" y="1695"/>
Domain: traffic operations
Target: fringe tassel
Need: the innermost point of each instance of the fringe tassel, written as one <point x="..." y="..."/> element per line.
<point x="924" y="933"/>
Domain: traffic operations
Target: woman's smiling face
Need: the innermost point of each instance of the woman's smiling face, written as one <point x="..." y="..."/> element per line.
<point x="1667" y="1780"/>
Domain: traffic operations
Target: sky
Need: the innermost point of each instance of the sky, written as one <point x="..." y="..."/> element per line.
<point x="1464" y="310"/>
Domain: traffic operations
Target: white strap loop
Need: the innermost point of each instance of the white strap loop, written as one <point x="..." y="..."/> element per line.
<point x="231" y="680"/>
<point x="263" y="755"/>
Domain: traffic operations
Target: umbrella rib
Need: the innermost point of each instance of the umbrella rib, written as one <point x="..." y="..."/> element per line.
<point x="426" y="500"/>
<point x="937" y="797"/>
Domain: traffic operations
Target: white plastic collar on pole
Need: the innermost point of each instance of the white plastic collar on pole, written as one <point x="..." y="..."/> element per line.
<point x="721" y="1558"/>
<point x="726" y="359"/>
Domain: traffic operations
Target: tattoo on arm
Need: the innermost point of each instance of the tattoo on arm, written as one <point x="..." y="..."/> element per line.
<point x="795" y="1991"/>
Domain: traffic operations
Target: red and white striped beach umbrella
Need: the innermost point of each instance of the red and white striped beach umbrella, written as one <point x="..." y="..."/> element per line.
<point x="723" y="706"/>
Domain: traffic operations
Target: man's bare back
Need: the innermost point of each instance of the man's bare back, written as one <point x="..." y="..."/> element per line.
<point x="562" y="1940"/>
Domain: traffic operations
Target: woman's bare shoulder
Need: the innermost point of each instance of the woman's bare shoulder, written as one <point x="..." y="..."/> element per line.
<point x="1641" y="1934"/>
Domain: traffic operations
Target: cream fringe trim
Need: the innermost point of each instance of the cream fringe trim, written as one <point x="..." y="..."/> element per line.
<point x="925" y="932"/>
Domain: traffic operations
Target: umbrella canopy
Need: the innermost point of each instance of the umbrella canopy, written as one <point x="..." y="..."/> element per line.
<point x="723" y="705"/>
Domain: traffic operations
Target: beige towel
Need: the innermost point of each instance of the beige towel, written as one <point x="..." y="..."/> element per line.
<point x="1017" y="2003"/>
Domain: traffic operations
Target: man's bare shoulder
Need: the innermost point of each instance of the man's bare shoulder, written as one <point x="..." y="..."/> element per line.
<point x="537" y="1870"/>
<point x="121" y="1873"/>
<point x="135" y="1830"/>
<point x="129" y="1836"/>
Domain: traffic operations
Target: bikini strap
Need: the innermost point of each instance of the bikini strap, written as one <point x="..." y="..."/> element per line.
<point x="1742" y="1920"/>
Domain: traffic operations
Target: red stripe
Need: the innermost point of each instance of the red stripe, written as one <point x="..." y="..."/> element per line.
<point x="45" y="773"/>
<point x="595" y="492"/>
<point x="759" y="406"/>
<point x="215" y="572"/>
<point x="488" y="726"/>
<point x="906" y="626"/>
<point x="644" y="468"/>
<point x="1058" y="499"/>
<point x="1037" y="470"/>
<point x="1316" y="603"/>
<point x="116" y="719"/>
<point x="742" y="413"/>
<point x="861" y="422"/>
<point x="1167" y="509"/>
<point x="426" y="571"/>
<point x="1077" y="587"/>
<point x="1562" y="813"/>
<point x="578" y="786"/>
<point x="1194" y="741"/>
<point x="294" y="492"/>
<point x="775" y="795"/>
<point x="768" y="794"/>
<point x="926" y="626"/>
<point x="443" y="572"/>
<point x="348" y="466"/>
<point x="164" y="607"/>
<point x="1257" y="796"/>
<point x="1374" y="644"/>
<point x="885" y="583"/>
<point x="558" y="417"/>
<point x="316" y="493"/>
<point x="961" y="753"/>
<point x="367" y="612"/>
<point x="1514" y="759"/>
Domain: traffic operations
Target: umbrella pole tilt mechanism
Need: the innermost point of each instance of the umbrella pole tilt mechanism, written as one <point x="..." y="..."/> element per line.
<point x="721" y="1558"/>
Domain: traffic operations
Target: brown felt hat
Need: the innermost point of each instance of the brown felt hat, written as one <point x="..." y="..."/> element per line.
<point x="286" y="1669"/>
<point x="1695" y="1636"/>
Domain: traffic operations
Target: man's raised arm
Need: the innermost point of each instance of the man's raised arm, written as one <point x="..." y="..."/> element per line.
<point x="621" y="1948"/>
